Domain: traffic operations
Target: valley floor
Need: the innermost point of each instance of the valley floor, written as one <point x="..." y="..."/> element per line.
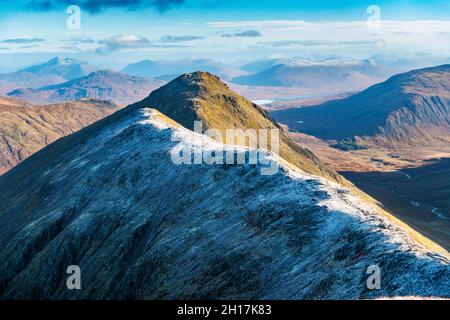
<point x="411" y="183"/>
<point x="419" y="196"/>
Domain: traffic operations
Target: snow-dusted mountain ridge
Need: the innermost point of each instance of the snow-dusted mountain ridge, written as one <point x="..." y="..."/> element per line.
<point x="110" y="200"/>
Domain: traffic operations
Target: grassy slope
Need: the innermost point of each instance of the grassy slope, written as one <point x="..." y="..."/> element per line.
<point x="26" y="128"/>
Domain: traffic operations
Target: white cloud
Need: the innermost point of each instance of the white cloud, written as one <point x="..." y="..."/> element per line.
<point x="255" y="23"/>
<point x="422" y="35"/>
<point x="121" y="42"/>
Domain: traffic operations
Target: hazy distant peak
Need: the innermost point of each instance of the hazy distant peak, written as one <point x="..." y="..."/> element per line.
<point x="344" y="73"/>
<point x="371" y="62"/>
<point x="66" y="60"/>
<point x="67" y="68"/>
<point x="56" y="61"/>
<point x="329" y="62"/>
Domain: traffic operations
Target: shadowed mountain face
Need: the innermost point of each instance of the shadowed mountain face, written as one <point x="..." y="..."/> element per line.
<point x="110" y="200"/>
<point x="27" y="128"/>
<point x="56" y="70"/>
<point x="202" y="96"/>
<point x="412" y="108"/>
<point x="104" y="85"/>
<point x="333" y="74"/>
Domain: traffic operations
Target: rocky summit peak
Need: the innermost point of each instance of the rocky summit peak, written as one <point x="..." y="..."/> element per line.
<point x="200" y="79"/>
<point x="199" y="76"/>
<point x="59" y="61"/>
<point x="55" y="61"/>
<point x="201" y="96"/>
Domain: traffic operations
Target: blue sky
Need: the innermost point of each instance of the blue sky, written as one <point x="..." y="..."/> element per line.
<point x="263" y="9"/>
<point x="116" y="32"/>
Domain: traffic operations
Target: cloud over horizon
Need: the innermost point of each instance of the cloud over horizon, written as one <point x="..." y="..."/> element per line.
<point x="246" y="34"/>
<point x="180" y="38"/>
<point x="309" y="43"/>
<point x="22" y="40"/>
<point x="130" y="41"/>
<point x="121" y="42"/>
<point x="83" y="40"/>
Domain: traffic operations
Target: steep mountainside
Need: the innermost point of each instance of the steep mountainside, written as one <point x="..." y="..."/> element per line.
<point x="202" y="96"/>
<point x="104" y="85"/>
<point x="343" y="74"/>
<point x="110" y="200"/>
<point x="167" y="68"/>
<point x="412" y="108"/>
<point x="26" y="128"/>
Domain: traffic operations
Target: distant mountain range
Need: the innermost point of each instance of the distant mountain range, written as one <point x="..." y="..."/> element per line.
<point x="110" y="200"/>
<point x="104" y="85"/>
<point x="61" y="74"/>
<point x="170" y="69"/>
<point x="334" y="73"/>
<point x="27" y="128"/>
<point x="403" y="62"/>
<point x="261" y="65"/>
<point x="412" y="108"/>
<point x="56" y="70"/>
